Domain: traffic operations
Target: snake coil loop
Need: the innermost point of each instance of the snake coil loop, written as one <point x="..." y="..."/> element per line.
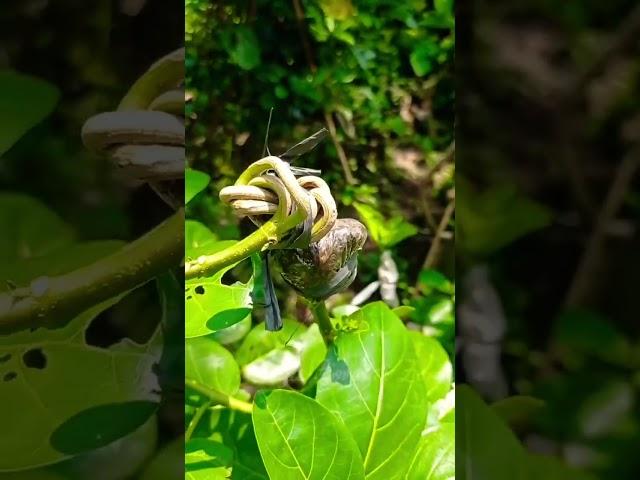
<point x="145" y="137"/>
<point x="268" y="189"/>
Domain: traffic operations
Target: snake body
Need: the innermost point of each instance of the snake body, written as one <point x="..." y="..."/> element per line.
<point x="145" y="136"/>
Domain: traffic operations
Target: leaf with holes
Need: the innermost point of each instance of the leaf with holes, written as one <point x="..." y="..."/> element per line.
<point x="47" y="383"/>
<point x="371" y="382"/>
<point x="210" y="305"/>
<point x="25" y="101"/>
<point x="300" y="439"/>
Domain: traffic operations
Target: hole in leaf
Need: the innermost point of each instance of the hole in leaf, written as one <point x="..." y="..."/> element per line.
<point x="10" y="376"/>
<point x="200" y="290"/>
<point x="35" y="358"/>
<point x="113" y="325"/>
<point x="5" y="358"/>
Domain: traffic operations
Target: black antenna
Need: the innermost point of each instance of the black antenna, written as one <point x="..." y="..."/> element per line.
<point x="265" y="149"/>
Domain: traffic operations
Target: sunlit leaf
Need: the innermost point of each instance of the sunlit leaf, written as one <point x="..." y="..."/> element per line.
<point x="372" y="383"/>
<point x="211" y="365"/>
<point x="300" y="439"/>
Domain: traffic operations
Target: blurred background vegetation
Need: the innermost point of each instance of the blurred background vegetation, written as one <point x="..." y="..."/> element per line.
<point x="378" y="74"/>
<point x="86" y="55"/>
<point x="547" y="217"/>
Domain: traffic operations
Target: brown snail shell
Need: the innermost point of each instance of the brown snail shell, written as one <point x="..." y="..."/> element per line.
<point x="327" y="266"/>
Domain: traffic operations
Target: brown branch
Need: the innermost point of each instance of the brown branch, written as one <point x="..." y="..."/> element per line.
<point x="434" y="249"/>
<point x="341" y="154"/>
<point x="590" y="260"/>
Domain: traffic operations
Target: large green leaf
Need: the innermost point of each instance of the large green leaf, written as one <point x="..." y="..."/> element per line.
<point x="434" y="365"/>
<point x="300" y="439"/>
<point x="235" y="430"/>
<point x="211" y="365"/>
<point x="55" y="401"/>
<point x="211" y="305"/>
<point x="435" y="457"/>
<point x="29" y="229"/>
<point x="24" y="102"/>
<point x="485" y="447"/>
<point x="372" y="383"/>
<point x="168" y="462"/>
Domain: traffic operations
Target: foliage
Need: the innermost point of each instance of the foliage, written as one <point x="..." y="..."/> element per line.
<point x="376" y="400"/>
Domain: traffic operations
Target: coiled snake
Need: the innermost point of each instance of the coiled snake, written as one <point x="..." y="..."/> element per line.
<point x="145" y="136"/>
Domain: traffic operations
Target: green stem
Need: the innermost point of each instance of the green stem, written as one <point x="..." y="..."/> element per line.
<point x="269" y="233"/>
<point x="195" y="420"/>
<point x="207" y="265"/>
<point x="52" y="301"/>
<point x="219" y="397"/>
<point x="321" y="314"/>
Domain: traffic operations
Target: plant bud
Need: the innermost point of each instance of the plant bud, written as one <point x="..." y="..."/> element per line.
<point x="327" y="266"/>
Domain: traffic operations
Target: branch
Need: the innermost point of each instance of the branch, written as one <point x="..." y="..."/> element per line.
<point x="51" y="301"/>
<point x="588" y="264"/>
<point x="319" y="310"/>
<point x="341" y="154"/>
<point x="219" y="397"/>
<point x="434" y="249"/>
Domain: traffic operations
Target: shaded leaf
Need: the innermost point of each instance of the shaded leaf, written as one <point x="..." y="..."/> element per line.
<point x="24" y="102"/>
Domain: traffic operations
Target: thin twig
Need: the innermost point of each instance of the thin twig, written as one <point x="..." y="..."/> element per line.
<point x="219" y="397"/>
<point x="303" y="35"/>
<point x="434" y="249"/>
<point x="341" y="154"/>
<point x="590" y="260"/>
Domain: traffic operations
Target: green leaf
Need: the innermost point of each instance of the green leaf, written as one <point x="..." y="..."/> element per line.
<point x="385" y="232"/>
<point x="372" y="383"/>
<point x="313" y="353"/>
<point x="199" y="239"/>
<point x="434" y="365"/>
<point x="100" y="425"/>
<point x="492" y="219"/>
<point x="550" y="468"/>
<point x="212" y="365"/>
<point x="485" y="447"/>
<point x="29" y="228"/>
<point x="236" y="431"/>
<point x="210" y="305"/>
<point x="300" y="439"/>
<point x="435" y="280"/>
<point x="168" y="462"/>
<point x="444" y="6"/>
<point x="206" y="459"/>
<point x="518" y="410"/>
<point x="435" y="456"/>
<point x="246" y="52"/>
<point x="194" y="182"/>
<point x="422" y="57"/>
<point x="25" y="102"/>
<point x="270" y="358"/>
<point x="71" y="414"/>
